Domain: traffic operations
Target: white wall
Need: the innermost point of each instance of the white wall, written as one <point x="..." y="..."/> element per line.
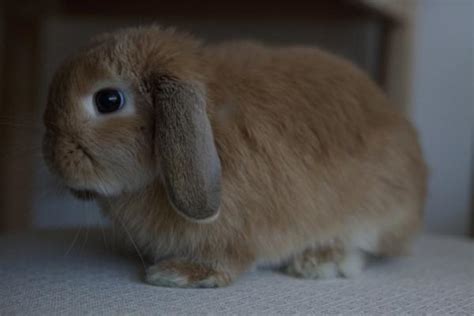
<point x="443" y="108"/>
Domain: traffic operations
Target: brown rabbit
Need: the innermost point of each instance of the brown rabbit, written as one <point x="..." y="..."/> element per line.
<point x="217" y="158"/>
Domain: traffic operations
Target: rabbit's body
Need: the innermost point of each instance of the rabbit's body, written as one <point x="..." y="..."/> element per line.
<point x="316" y="167"/>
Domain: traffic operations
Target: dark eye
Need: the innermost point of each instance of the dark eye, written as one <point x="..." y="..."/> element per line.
<point x="109" y="100"/>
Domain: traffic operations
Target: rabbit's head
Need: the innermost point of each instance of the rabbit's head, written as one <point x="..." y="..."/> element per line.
<point x="130" y="110"/>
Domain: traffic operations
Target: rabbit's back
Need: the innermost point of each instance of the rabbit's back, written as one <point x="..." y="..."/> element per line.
<point x="296" y="93"/>
<point x="308" y="143"/>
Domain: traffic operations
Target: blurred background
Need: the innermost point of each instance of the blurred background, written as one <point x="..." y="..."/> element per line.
<point x="419" y="52"/>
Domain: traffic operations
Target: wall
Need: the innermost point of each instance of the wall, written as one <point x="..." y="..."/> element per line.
<point x="443" y="108"/>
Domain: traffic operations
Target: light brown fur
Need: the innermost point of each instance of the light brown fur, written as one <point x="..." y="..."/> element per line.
<point x="310" y="151"/>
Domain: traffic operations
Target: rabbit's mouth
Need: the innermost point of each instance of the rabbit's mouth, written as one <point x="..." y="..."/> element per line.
<point x="85" y="195"/>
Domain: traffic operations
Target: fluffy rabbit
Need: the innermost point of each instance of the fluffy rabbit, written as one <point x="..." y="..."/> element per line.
<point x="215" y="159"/>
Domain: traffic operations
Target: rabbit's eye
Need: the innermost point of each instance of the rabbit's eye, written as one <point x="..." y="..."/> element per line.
<point x="109" y="100"/>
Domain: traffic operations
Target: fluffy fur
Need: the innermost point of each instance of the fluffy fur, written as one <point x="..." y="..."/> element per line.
<point x="313" y="158"/>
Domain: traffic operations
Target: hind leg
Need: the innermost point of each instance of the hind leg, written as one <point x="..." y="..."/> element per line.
<point x="326" y="261"/>
<point x="397" y="240"/>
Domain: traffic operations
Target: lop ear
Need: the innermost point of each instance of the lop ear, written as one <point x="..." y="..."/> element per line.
<point x="185" y="144"/>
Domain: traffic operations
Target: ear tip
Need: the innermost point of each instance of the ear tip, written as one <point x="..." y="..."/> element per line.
<point x="206" y="211"/>
<point x="201" y="215"/>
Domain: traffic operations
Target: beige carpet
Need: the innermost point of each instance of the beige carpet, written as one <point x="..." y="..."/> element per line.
<point x="37" y="277"/>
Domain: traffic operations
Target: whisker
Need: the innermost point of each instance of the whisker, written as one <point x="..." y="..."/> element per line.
<point x="35" y="153"/>
<point x="104" y="236"/>
<point x="35" y="115"/>
<point x="33" y="120"/>
<point x="73" y="241"/>
<point x="101" y="226"/>
<point x="87" y="233"/>
<point x="35" y="144"/>
<point x="132" y="241"/>
<point x="29" y="126"/>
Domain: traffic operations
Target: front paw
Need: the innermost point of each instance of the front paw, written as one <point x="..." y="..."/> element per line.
<point x="181" y="273"/>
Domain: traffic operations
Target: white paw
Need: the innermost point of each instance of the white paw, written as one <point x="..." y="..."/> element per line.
<point x="326" y="270"/>
<point x="312" y="267"/>
<point x="352" y="264"/>
<point x="156" y="276"/>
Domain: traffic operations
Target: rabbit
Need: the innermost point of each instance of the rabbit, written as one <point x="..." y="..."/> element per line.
<point x="218" y="158"/>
